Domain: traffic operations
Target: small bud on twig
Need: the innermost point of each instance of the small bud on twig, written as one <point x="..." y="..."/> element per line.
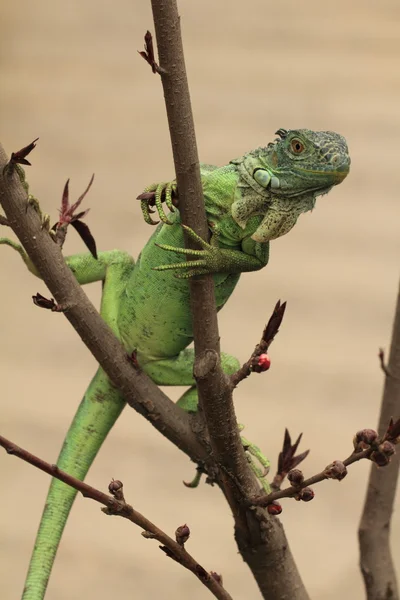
<point x="68" y="216"/>
<point x="260" y="360"/>
<point x="116" y="489"/>
<point x="263" y="363"/>
<point x="48" y="303"/>
<point x="380" y="459"/>
<point x="287" y="460"/>
<point x="182" y="534"/>
<point x="393" y="431"/>
<point x="148" y="54"/>
<point x="387" y="448"/>
<point x="336" y="470"/>
<point x="148" y="535"/>
<point x="384" y="367"/>
<point x="306" y="494"/>
<point x="19" y="157"/>
<point x="364" y="438"/>
<point x="296" y="477"/>
<point x="217" y="577"/>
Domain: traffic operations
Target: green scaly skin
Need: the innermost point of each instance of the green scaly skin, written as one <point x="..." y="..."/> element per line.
<point x="249" y="202"/>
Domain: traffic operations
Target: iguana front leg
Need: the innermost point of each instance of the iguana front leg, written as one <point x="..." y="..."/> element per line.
<point x="211" y="258"/>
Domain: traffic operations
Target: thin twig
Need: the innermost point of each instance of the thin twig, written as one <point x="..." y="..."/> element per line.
<point x="292" y="491"/>
<point x="254" y="364"/>
<point x="376" y="560"/>
<point x="120" y="508"/>
<point x="287" y="459"/>
<point x="367" y="445"/>
<point x="381" y="355"/>
<point x="215" y="393"/>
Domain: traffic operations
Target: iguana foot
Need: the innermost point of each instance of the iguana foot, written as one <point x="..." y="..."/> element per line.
<point x="32" y="201"/>
<point x="155" y="195"/>
<point x="44" y="217"/>
<point x="209" y="260"/>
<point x="251" y="450"/>
<point x="18" y="248"/>
<point x="260" y="466"/>
<point x="196" y="479"/>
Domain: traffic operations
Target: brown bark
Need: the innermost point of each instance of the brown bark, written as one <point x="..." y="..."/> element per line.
<point x="260" y="538"/>
<point x="139" y="391"/>
<point x="117" y="506"/>
<point x="376" y="561"/>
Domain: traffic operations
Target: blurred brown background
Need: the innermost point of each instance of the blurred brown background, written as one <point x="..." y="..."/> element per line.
<point x="71" y="75"/>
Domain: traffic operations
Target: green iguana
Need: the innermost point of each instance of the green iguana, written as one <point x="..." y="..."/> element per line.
<point x="248" y="202"/>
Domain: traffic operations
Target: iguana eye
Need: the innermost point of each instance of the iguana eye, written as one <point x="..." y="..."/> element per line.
<point x="296" y="146"/>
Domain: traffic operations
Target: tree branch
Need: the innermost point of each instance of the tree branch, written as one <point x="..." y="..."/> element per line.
<point x="117" y="506"/>
<point x="272" y="562"/>
<point x="259" y="360"/>
<point x="260" y="538"/>
<point x="376" y="561"/>
<point x="367" y="445"/>
<point x="138" y="390"/>
<point x="215" y="394"/>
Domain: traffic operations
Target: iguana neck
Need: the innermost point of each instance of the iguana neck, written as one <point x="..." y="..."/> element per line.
<point x="252" y="199"/>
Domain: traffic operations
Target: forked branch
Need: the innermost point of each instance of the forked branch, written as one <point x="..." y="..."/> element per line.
<point x="367" y="445"/>
<point x="260" y="537"/>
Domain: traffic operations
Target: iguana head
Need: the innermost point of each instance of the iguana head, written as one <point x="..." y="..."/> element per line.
<point x="287" y="176"/>
<point x="304" y="161"/>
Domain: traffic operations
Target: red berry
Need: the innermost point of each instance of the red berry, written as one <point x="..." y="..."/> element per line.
<point x="275" y="508"/>
<point x="306" y="494"/>
<point x="264" y="362"/>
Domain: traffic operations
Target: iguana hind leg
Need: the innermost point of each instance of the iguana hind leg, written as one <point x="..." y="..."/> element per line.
<point x="179" y="371"/>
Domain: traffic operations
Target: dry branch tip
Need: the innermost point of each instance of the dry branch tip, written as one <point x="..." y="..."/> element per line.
<point x="47" y="303"/>
<point x="367" y="445"/>
<point x="68" y="217"/>
<point x="260" y="360"/>
<point x="148" y="54"/>
<point x="19" y="157"/>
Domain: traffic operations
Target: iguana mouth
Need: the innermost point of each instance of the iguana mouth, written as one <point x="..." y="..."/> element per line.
<point x="341" y="174"/>
<point x="338" y="175"/>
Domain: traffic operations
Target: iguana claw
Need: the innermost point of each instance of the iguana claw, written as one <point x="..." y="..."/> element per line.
<point x="155" y="195"/>
<point x="251" y="450"/>
<point x="44" y="217"/>
<point x="209" y="258"/>
<point x="259" y="468"/>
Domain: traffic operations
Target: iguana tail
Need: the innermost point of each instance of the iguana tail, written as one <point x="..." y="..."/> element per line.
<point x="97" y="413"/>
